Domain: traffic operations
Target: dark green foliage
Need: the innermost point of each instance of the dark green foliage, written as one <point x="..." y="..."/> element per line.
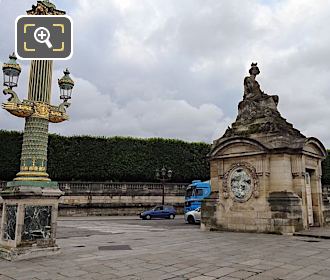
<point x="118" y="158"/>
<point x="326" y="170"/>
<point x="103" y="159"/>
<point x="10" y="153"/>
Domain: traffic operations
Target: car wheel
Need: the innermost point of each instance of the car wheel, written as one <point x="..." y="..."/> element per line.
<point x="172" y="216"/>
<point x="191" y="220"/>
<point x="148" y="217"/>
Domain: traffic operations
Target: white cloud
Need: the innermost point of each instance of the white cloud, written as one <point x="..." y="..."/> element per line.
<point x="94" y="113"/>
<point x="175" y="68"/>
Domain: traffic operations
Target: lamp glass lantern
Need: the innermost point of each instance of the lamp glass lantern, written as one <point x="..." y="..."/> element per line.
<point x="66" y="85"/>
<point x="163" y="170"/>
<point x="169" y="173"/>
<point x="11" y="71"/>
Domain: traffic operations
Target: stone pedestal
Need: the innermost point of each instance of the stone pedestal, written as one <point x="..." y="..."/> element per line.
<point x="28" y="225"/>
<point x="265" y="173"/>
<point x="208" y="213"/>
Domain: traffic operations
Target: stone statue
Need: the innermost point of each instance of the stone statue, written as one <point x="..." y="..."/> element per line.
<point x="252" y="91"/>
<point x="257" y="112"/>
<point x="251" y="86"/>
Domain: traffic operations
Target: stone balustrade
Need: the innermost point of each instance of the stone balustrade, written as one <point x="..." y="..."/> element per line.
<point x="115" y="188"/>
<point x="116" y="198"/>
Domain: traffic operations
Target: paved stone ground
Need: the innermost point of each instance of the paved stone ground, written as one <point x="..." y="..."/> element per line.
<point x="128" y="248"/>
<point x="315" y="232"/>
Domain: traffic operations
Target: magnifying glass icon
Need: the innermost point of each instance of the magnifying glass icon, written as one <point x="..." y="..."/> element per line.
<point x="42" y="35"/>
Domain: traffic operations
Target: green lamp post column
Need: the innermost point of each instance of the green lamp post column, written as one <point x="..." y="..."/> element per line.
<point x="35" y="141"/>
<point x="28" y="225"/>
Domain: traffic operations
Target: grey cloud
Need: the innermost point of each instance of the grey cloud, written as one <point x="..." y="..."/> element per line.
<point x="175" y="68"/>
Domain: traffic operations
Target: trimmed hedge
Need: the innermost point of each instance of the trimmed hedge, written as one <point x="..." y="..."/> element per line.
<point x="10" y="153"/>
<point x="326" y="170"/>
<point x="103" y="159"/>
<point x="119" y="159"/>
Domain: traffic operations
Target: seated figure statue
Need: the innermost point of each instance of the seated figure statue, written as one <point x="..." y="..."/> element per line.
<point x="251" y="86"/>
<point x="252" y="89"/>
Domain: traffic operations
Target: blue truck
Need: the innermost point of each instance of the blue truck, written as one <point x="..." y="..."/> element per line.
<point x="195" y="193"/>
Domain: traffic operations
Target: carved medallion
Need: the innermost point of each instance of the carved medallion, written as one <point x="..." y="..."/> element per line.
<point x="41" y="110"/>
<point x="240" y="182"/>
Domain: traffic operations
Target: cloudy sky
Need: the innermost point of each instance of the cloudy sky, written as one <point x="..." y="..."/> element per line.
<point x="175" y="68"/>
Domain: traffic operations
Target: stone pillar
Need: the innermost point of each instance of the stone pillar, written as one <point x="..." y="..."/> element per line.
<point x="209" y="211"/>
<point x="209" y="204"/>
<point x="317" y="196"/>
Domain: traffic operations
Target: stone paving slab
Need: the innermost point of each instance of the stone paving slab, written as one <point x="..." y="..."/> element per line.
<point x="167" y="249"/>
<point x="316" y="232"/>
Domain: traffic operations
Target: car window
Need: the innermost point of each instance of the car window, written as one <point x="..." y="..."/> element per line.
<point x="157" y="208"/>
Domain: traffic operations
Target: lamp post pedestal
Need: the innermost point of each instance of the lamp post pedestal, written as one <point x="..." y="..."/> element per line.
<point x="28" y="225"/>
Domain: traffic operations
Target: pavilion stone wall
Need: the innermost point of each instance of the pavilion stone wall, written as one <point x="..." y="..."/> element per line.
<point x="274" y="208"/>
<point x="278" y="199"/>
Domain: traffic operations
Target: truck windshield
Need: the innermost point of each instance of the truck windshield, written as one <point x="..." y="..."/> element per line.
<point x="198" y="192"/>
<point x="189" y="191"/>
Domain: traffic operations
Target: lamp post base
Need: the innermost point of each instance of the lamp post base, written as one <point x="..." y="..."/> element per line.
<point x="26" y="253"/>
<point x="29" y="216"/>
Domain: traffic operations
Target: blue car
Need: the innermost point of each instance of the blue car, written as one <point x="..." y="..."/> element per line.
<point x="161" y="211"/>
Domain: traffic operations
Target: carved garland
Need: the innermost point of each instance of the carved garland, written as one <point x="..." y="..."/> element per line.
<point x="252" y="172"/>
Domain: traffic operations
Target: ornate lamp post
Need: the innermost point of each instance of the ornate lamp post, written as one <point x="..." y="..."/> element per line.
<point x="163" y="176"/>
<point x="28" y="225"/>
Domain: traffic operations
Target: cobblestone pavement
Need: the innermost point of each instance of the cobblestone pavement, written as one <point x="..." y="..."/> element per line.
<point x="112" y="248"/>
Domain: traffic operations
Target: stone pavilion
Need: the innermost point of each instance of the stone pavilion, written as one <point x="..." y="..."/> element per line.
<point x="265" y="174"/>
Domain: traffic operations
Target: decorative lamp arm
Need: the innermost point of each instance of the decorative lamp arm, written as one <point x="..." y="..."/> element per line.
<point x="14" y="98"/>
<point x="63" y="106"/>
